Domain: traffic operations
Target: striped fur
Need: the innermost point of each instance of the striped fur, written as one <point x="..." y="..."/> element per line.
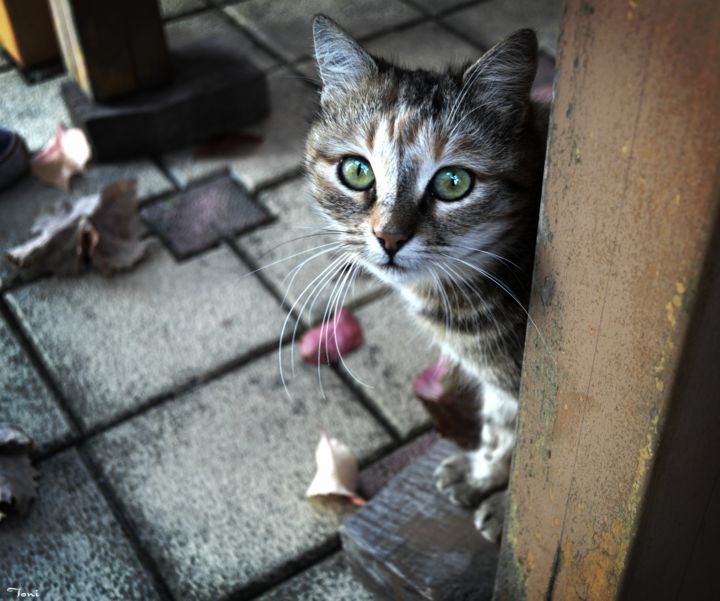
<point x="465" y="271"/>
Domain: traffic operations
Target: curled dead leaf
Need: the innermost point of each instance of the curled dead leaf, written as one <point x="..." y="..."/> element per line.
<point x="102" y="231"/>
<point x="17" y="475"/>
<point x="64" y="156"/>
<point x="337" y="472"/>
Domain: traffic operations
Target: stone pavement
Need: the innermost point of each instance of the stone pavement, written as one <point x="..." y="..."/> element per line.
<point x="173" y="462"/>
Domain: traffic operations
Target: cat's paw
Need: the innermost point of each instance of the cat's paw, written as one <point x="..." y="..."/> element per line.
<point x="489" y="517"/>
<point x="452" y="478"/>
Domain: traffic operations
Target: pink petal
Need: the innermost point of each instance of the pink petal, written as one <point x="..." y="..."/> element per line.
<point x="429" y="384"/>
<point x="328" y="342"/>
<point x="65" y="155"/>
<point x="75" y="147"/>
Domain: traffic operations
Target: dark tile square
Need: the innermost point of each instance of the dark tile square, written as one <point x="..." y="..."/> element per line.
<point x="196" y="219"/>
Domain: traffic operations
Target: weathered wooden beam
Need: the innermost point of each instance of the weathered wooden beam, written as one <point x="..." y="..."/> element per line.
<point x="113" y="47"/>
<point x="615" y="481"/>
<point x="26" y="32"/>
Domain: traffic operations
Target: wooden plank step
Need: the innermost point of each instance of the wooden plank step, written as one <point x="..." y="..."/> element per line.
<point x="409" y="543"/>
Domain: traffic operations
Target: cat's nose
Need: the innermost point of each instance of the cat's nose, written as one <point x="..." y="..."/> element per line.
<point x="391" y="242"/>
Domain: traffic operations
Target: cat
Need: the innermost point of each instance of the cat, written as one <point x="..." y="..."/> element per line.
<point x="433" y="182"/>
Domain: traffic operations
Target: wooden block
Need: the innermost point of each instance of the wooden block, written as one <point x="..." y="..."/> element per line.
<point x="410" y="543"/>
<point x="113" y="47"/>
<point x="27" y="33"/>
<point x="211" y="95"/>
<point x="377" y="476"/>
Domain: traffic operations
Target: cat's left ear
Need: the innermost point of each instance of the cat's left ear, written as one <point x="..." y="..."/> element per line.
<point x="503" y="76"/>
<point x="341" y="61"/>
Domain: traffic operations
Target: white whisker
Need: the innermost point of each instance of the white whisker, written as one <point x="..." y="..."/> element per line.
<point x="338" y="305"/>
<point x="503" y="287"/>
<point x="287" y="318"/>
<point x="297" y="254"/>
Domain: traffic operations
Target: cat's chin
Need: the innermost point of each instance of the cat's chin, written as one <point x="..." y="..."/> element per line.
<point x="395" y="275"/>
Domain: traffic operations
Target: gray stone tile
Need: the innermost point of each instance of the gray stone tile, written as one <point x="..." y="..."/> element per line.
<point x="269" y="246"/>
<point x="35" y="110"/>
<point x="489" y="22"/>
<point x="212" y="29"/>
<point x="394" y="352"/>
<point x="331" y="580"/>
<point x="194" y="220"/>
<point x="438" y="7"/>
<point x="22" y="202"/>
<point x="173" y="8"/>
<point x="425" y="46"/>
<point x="214" y="482"/>
<point x="286" y="25"/>
<point x="70" y="546"/>
<point x="112" y="343"/>
<point x="280" y="151"/>
<point x="24" y="400"/>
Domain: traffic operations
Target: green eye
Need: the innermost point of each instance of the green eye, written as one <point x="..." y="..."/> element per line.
<point x="356" y="173"/>
<point x="451" y="183"/>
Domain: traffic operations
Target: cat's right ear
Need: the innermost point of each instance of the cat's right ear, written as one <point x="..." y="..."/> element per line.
<point x="503" y="76"/>
<point x="341" y="61"/>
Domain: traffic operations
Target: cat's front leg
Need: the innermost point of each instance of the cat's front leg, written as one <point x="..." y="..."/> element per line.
<point x="468" y="478"/>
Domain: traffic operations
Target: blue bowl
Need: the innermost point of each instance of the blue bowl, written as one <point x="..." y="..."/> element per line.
<point x="13" y="156"/>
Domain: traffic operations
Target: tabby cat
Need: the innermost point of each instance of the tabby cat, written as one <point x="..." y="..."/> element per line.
<point x="433" y="181"/>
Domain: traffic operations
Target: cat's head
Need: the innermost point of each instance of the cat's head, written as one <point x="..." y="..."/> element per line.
<point x="422" y="174"/>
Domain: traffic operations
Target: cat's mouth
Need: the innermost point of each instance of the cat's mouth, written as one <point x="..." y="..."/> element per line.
<point x="391" y="265"/>
<point x="392" y="268"/>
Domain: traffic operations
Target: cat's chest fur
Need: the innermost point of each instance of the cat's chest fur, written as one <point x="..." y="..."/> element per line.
<point x="469" y="333"/>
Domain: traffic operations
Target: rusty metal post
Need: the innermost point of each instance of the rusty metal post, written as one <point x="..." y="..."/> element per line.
<point x="615" y="483"/>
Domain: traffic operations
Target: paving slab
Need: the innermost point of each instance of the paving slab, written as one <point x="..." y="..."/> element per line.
<point x="25" y="401"/>
<point x="440" y="7"/>
<point x="425" y="46"/>
<point x="489" y="22"/>
<point x="24" y="201"/>
<point x="196" y="219"/>
<point x="394" y="352"/>
<point x="282" y="139"/>
<point x="213" y="482"/>
<point x="32" y="110"/>
<point x="212" y="29"/>
<point x="70" y="546"/>
<point x="113" y="343"/>
<point x="330" y="580"/>
<point x="282" y="246"/>
<point x="286" y="25"/>
<point x="174" y="8"/>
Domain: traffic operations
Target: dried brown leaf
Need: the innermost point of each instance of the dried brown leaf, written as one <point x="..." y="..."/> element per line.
<point x="17" y="475"/>
<point x="102" y="231"/>
<point x="14" y="440"/>
<point x="452" y="402"/>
